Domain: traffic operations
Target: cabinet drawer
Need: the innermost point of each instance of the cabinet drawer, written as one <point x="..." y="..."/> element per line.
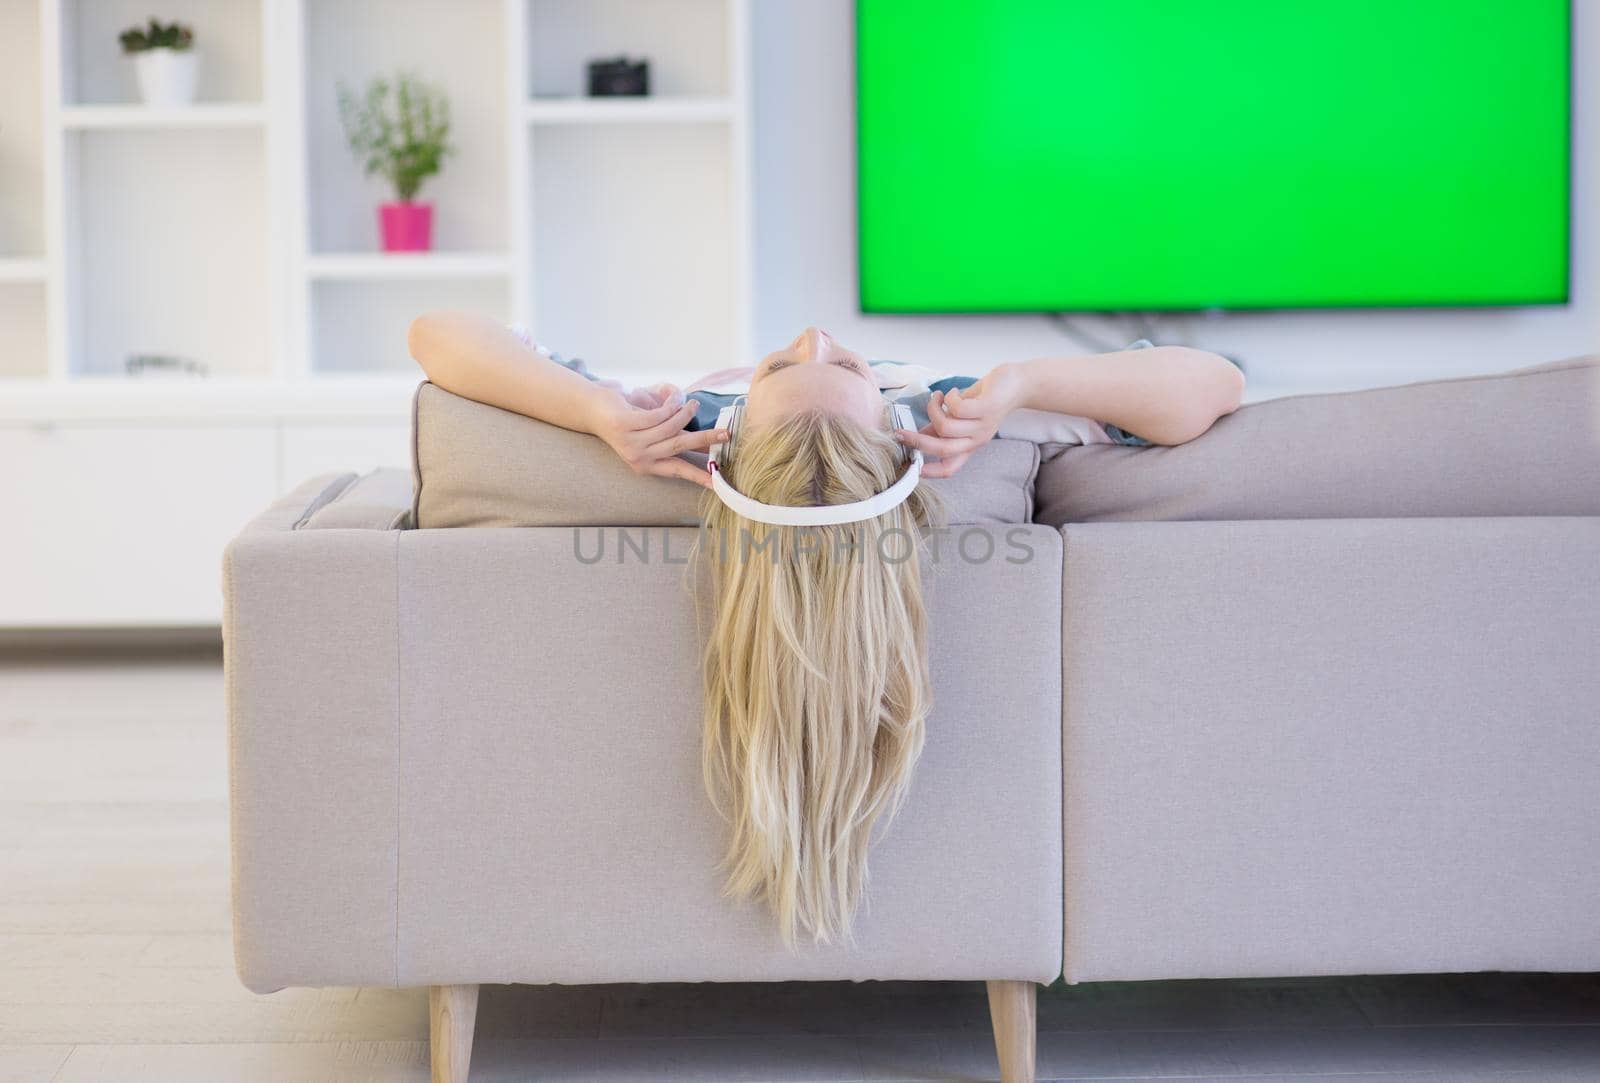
<point x="123" y="524"/>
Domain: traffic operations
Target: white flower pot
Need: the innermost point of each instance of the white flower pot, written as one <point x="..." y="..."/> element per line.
<point x="167" y="76"/>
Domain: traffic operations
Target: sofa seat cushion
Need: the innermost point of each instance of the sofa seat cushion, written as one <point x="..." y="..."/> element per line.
<point x="478" y="465"/>
<point x="1524" y="442"/>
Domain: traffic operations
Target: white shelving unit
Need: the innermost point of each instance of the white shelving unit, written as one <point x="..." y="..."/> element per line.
<point x="200" y="115"/>
<point x="158" y="222"/>
<point x="624" y="111"/>
<point x="357" y="266"/>
<point x="240" y="233"/>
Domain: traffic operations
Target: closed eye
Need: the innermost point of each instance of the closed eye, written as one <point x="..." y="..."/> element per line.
<point x="843" y="362"/>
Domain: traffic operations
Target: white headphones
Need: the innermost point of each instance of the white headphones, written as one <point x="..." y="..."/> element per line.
<point x="898" y="417"/>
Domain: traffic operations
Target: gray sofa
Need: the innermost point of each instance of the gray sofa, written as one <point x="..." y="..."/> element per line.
<point x="1313" y="694"/>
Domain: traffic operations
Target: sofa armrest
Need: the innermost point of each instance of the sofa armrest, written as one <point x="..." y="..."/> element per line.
<point x="377" y="500"/>
<point x="310" y="658"/>
<point x="298" y="504"/>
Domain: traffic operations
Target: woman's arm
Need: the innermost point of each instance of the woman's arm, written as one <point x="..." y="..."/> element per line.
<point x="479" y="358"/>
<point x="1166" y="394"/>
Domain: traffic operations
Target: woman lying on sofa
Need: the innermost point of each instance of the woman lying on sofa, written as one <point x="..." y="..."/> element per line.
<point x="816" y="683"/>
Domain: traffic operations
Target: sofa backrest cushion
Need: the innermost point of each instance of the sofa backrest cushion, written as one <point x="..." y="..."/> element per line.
<point x="478" y="465"/>
<point x="1524" y="442"/>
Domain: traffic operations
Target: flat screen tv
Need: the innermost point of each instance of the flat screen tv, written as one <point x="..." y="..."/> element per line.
<point x="1102" y="155"/>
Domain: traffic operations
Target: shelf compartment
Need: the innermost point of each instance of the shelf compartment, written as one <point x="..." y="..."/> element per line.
<point x="634" y="255"/>
<point x="685" y="41"/>
<point x="388" y="266"/>
<point x="228" y="41"/>
<point x="201" y="115"/>
<point x="359" y="326"/>
<point x="354" y="40"/>
<point x="167" y="251"/>
<point x="629" y="110"/>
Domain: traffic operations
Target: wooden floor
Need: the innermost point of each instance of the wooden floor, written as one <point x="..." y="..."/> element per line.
<point x="116" y="963"/>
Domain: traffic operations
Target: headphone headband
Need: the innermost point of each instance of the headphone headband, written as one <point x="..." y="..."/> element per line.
<point x="810" y="515"/>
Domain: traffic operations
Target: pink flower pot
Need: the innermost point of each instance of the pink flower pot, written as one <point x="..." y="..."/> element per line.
<point x="407" y="227"/>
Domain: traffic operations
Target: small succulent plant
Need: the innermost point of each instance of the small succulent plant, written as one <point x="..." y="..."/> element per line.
<point x="399" y="128"/>
<point x="139" y="39"/>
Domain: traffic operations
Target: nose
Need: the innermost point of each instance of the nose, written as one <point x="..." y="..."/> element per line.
<point x="811" y="342"/>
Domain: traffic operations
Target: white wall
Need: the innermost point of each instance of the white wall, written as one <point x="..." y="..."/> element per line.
<point x="804" y="146"/>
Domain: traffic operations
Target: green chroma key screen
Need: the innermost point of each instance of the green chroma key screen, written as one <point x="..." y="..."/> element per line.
<point x="1070" y="155"/>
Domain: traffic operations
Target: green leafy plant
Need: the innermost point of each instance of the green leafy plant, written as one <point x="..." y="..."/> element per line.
<point x="398" y="128"/>
<point x="139" y="39"/>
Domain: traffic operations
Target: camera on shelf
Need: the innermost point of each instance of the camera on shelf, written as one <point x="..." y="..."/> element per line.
<point x="619" y="77"/>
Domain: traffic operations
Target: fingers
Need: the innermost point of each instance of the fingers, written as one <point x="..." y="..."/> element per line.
<point x="648" y="398"/>
<point x="679" y="468"/>
<point x="952" y="415"/>
<point x="664" y="414"/>
<point x="944" y="424"/>
<point x="959" y="404"/>
<point x="671" y="419"/>
<point x="661" y="457"/>
<point x="943" y="468"/>
<point x="636" y="441"/>
<point x="691" y="441"/>
<point x="932" y="444"/>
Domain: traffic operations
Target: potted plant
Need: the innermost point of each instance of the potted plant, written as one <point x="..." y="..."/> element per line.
<point x="164" y="60"/>
<point x="399" y="128"/>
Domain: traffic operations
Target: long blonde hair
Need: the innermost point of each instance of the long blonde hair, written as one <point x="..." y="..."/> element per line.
<point x="816" y="671"/>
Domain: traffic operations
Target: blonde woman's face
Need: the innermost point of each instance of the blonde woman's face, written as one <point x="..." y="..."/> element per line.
<point x="814" y="373"/>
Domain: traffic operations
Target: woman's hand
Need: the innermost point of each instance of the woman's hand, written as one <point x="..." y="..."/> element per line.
<point x="649" y="439"/>
<point x="962" y="421"/>
<point x="648" y="398"/>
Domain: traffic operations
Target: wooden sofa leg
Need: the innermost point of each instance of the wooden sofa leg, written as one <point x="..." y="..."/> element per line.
<point x="452" y="1013"/>
<point x="1012" y="1011"/>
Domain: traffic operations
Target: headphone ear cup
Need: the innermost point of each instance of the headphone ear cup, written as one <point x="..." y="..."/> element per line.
<point x="728" y="419"/>
<point x="900" y="418"/>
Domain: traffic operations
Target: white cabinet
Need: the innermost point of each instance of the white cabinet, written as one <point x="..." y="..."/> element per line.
<point x="124" y="524"/>
<point x="117" y="497"/>
<point x="118" y="523"/>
